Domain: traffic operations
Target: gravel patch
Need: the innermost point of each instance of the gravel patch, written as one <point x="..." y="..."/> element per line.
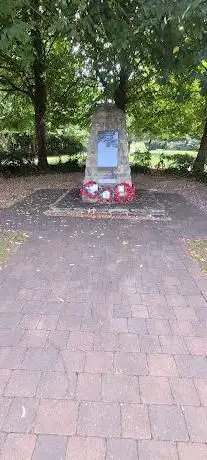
<point x="17" y="188"/>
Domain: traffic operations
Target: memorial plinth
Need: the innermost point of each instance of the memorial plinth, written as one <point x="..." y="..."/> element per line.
<point x="107" y="172"/>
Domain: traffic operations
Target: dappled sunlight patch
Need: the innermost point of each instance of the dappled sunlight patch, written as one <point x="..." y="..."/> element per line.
<point x="198" y="251"/>
<point x="9" y="242"/>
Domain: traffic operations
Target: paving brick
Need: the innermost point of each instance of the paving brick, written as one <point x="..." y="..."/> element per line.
<point x="201" y="387"/>
<point x="57" y="339"/>
<point x="91" y="324"/>
<point x="201" y="314"/>
<point x="113" y="297"/>
<point x="153" y="299"/>
<point x="173" y="344"/>
<point x="8" y="339"/>
<point x="139" y="311"/>
<point x="2" y="439"/>
<point x="88" y="387"/>
<point x="168" y="423"/>
<point x="176" y="300"/>
<point x="11" y="357"/>
<point x="78" y="308"/>
<point x="121" y="449"/>
<point x="161" y="312"/>
<point x="184" y="328"/>
<point x="34" y="294"/>
<point x="40" y="359"/>
<point x="130" y="364"/>
<point x="57" y="385"/>
<point x="128" y="343"/>
<point x="184" y="392"/>
<point x="185" y="313"/>
<point x="191" y="366"/>
<point x="122" y="311"/>
<point x="137" y="325"/>
<point x="171" y="281"/>
<point x="99" y="362"/>
<point x="8" y="305"/>
<point x="102" y="311"/>
<point x="4" y="408"/>
<point x="69" y="323"/>
<point x="196" y="301"/>
<point x="192" y="451"/>
<point x="167" y="274"/>
<point x="155" y="390"/>
<point x="21" y="415"/>
<point x="18" y="447"/>
<point x="87" y="448"/>
<point x="132" y="298"/>
<point x="23" y="383"/>
<point x="147" y="288"/>
<point x="158" y="327"/>
<point x="106" y="341"/>
<point x="80" y="341"/>
<point x="71" y="361"/>
<point x="30" y="321"/>
<point x="48" y="322"/>
<point x="149" y="344"/>
<point x="115" y="325"/>
<point x="196" y="419"/>
<point x="99" y="419"/>
<point x="56" y="417"/>
<point x="4" y="378"/>
<point x="34" y="338"/>
<point x="10" y="320"/>
<point x="162" y="365"/>
<point x="44" y="308"/>
<point x="50" y="447"/>
<point x="170" y="290"/>
<point x="197" y="345"/>
<point x="120" y="388"/>
<point x="157" y="450"/>
<point x="200" y="328"/>
<point x="135" y="421"/>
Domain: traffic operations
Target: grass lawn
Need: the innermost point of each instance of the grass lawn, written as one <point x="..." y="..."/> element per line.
<point x="55" y="160"/>
<point x="155" y="156"/>
<point x="9" y="241"/>
<point x="198" y="251"/>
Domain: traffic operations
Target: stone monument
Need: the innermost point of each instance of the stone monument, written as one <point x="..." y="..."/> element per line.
<point x="107" y="173"/>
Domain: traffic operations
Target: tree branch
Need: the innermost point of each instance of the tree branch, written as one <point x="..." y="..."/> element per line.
<point x="53" y="40"/>
<point x="14" y="87"/>
<point x="10" y="65"/>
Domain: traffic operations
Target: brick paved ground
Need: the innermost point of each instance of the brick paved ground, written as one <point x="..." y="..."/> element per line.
<point x="103" y="342"/>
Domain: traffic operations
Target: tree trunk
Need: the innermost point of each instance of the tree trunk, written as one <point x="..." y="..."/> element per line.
<point x="120" y="93"/>
<point x="40" y="98"/>
<point x="199" y="163"/>
<point x="40" y="136"/>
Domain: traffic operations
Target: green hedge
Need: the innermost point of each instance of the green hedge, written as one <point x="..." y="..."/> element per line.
<point x="63" y="145"/>
<point x="19" y="149"/>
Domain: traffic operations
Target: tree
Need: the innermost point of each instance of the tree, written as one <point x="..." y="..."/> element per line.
<point x="30" y="29"/>
<point x="118" y="44"/>
<point x="174" y="109"/>
<point x="182" y="50"/>
<point x="124" y="37"/>
<point x="73" y="91"/>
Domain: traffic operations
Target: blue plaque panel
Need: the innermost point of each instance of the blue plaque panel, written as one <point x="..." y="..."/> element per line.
<point x="107" y="149"/>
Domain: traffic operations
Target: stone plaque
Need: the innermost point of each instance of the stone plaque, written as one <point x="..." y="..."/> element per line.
<point x="109" y="178"/>
<point x="107" y="152"/>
